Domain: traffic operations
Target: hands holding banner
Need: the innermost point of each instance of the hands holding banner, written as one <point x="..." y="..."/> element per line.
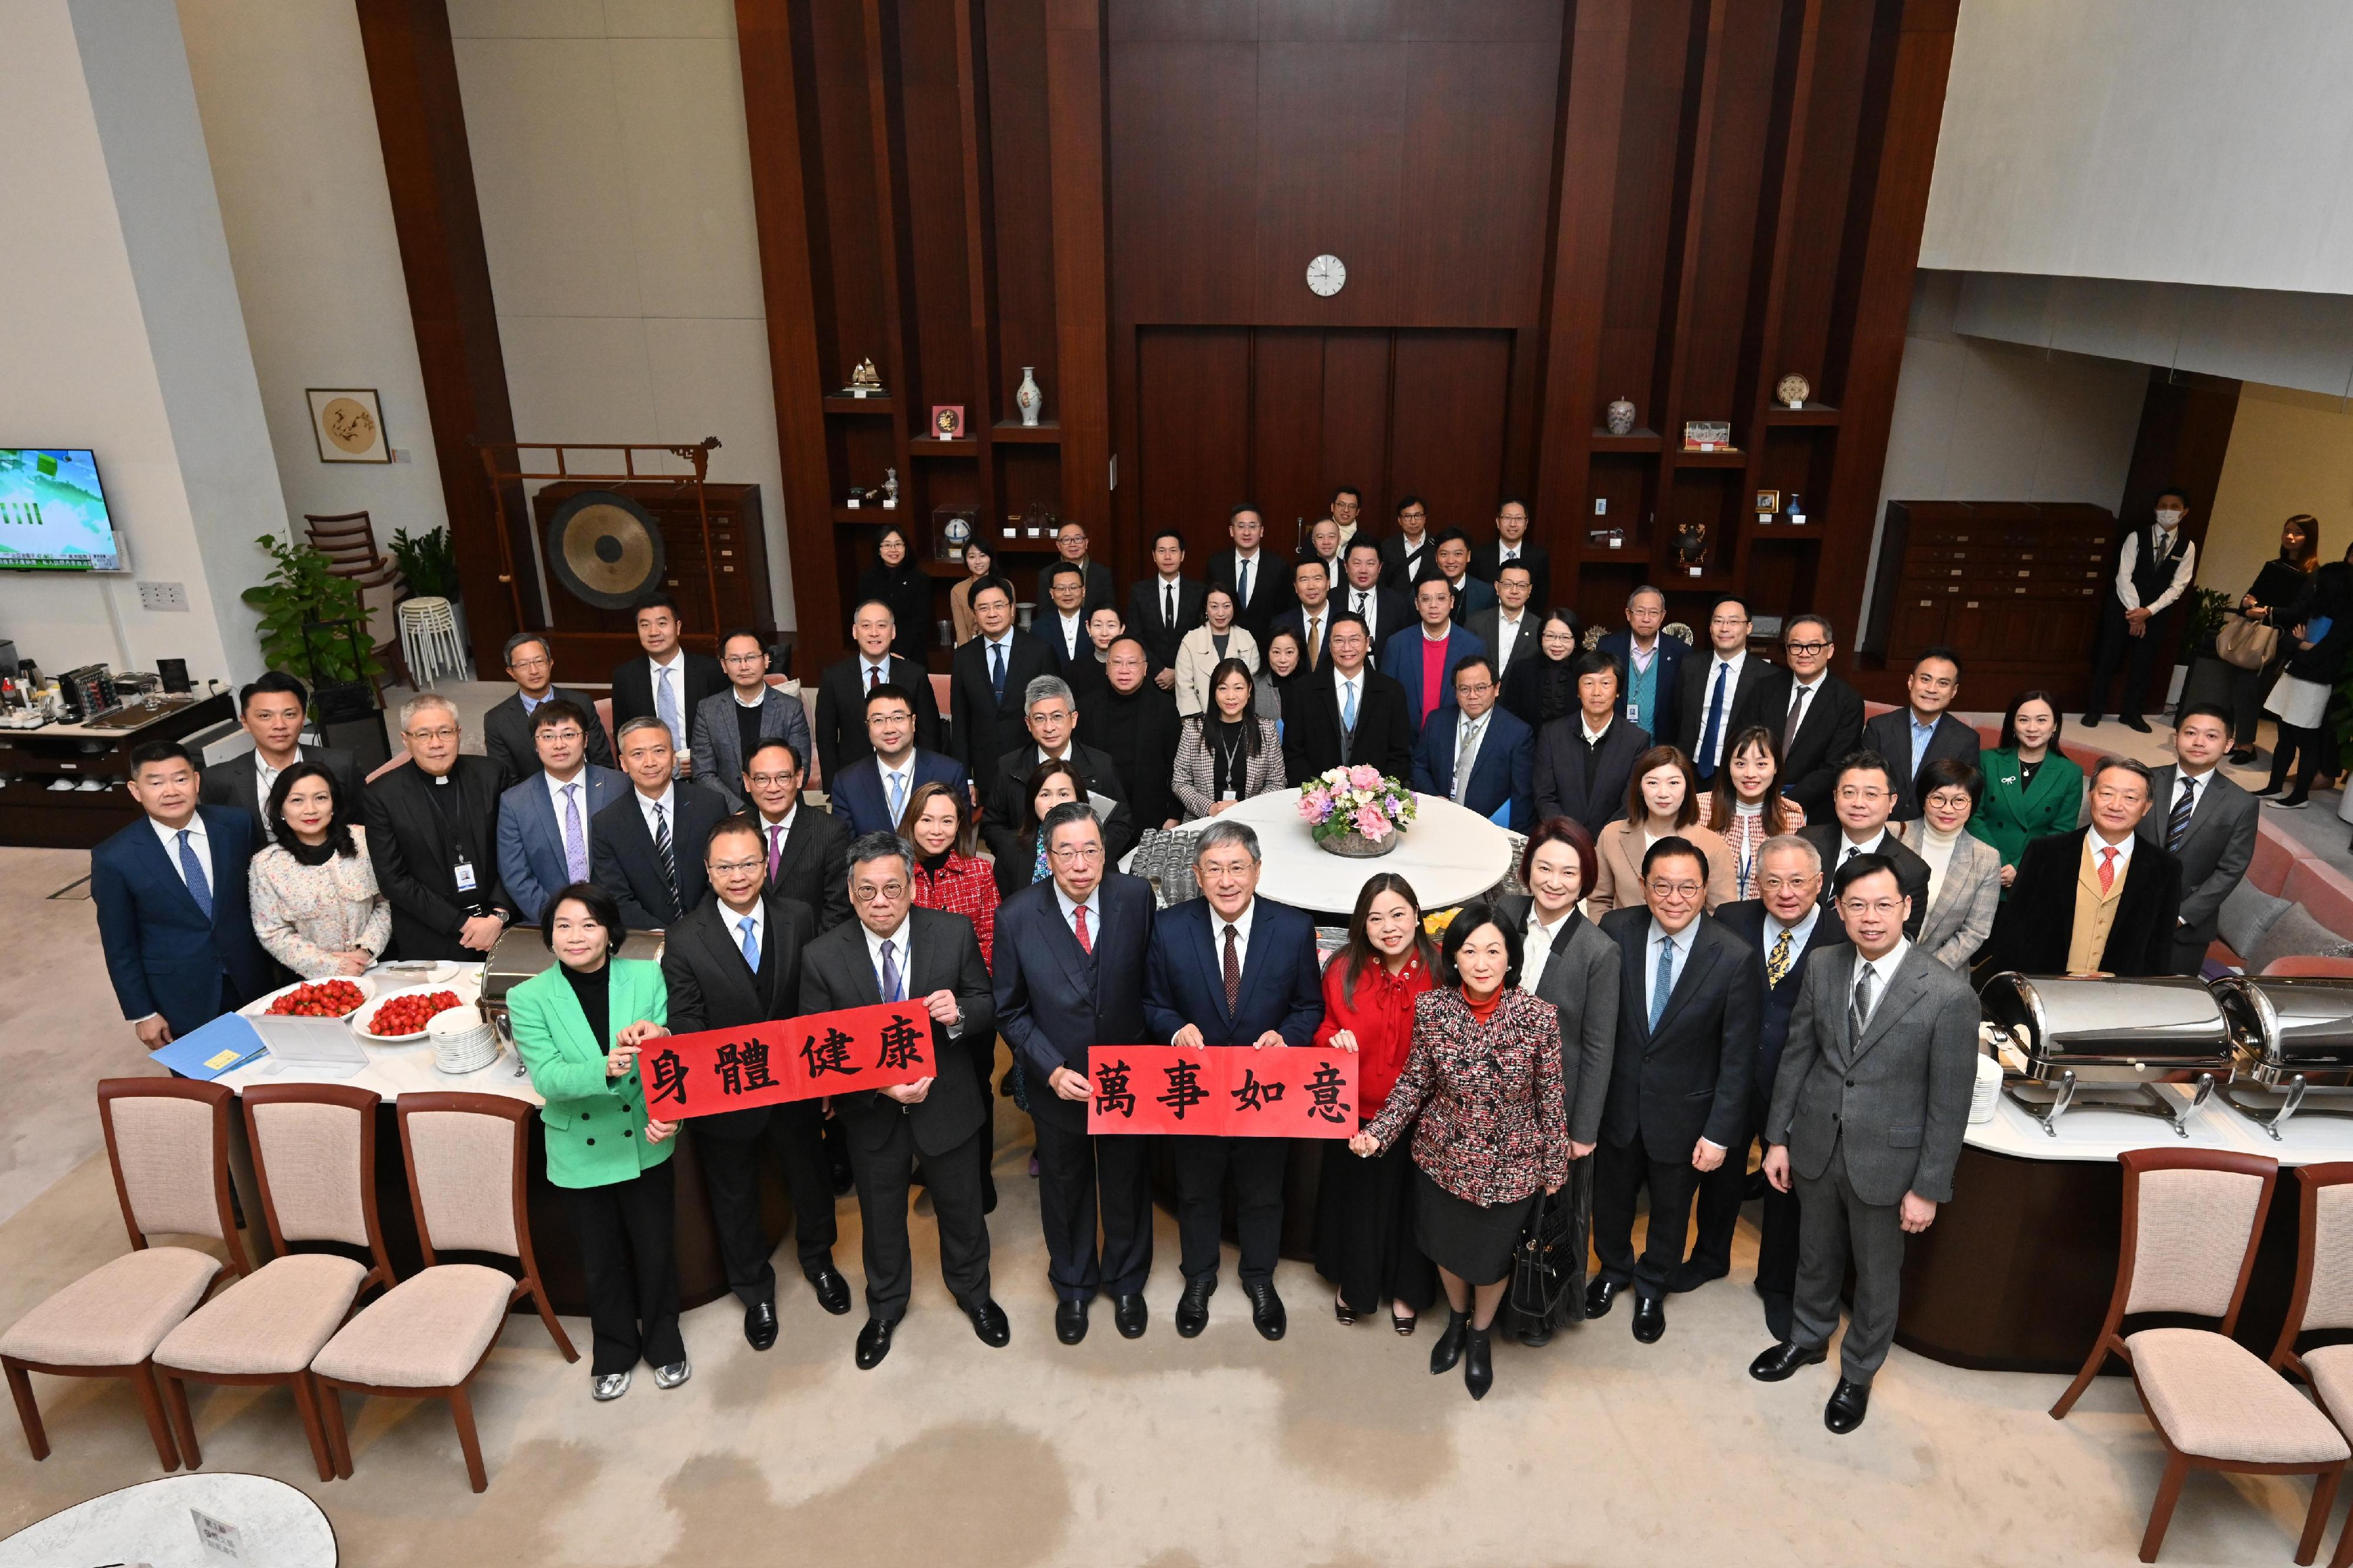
<point x="886" y="1047"/>
<point x="1296" y="1092"/>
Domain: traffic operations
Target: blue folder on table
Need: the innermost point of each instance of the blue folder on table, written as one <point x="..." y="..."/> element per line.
<point x="223" y="1045"/>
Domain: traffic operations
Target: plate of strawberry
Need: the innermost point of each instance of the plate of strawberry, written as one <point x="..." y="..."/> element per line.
<point x="338" y="997"/>
<point x="399" y="1017"/>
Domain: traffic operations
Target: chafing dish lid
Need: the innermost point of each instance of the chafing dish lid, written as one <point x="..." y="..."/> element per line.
<point x="2290" y="1020"/>
<point x="2169" y="1018"/>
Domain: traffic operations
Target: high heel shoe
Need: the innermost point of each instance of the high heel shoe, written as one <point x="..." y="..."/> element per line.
<point x="1342" y="1311"/>
<point x="1448" y="1348"/>
<point x="1478" y="1369"/>
<point x="1404" y="1323"/>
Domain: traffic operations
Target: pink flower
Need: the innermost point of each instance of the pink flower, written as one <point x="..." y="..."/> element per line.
<point x="1314" y="806"/>
<point x="1364" y="776"/>
<point x="1371" y="823"/>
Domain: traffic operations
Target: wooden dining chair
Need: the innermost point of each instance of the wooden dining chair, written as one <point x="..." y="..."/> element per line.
<point x="347" y="539"/>
<point x="314" y="1160"/>
<point x="2322" y="1302"/>
<point x="2193" y="1220"/>
<point x="167" y="1141"/>
<point x="467" y="1156"/>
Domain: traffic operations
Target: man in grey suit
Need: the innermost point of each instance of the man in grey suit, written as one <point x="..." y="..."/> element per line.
<point x="1868" y="1106"/>
<point x="507" y="736"/>
<point x="544" y="821"/>
<point x="729" y="725"/>
<point x="2207" y="822"/>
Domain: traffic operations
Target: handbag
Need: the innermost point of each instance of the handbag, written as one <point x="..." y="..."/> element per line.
<point x="1548" y="1262"/>
<point x="2245" y="643"/>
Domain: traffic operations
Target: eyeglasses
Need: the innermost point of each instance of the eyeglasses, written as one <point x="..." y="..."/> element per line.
<point x="1075" y="854"/>
<point x="1885" y="908"/>
<point x="1808" y="649"/>
<point x="773" y="780"/>
<point x="1788" y="884"/>
<point x="523" y="664"/>
<point x="736" y="868"/>
<point x="1676" y="889"/>
<point x="446" y="732"/>
<point x="867" y="891"/>
<point x="561" y="733"/>
<point x="753" y="658"/>
<point x="1729" y="621"/>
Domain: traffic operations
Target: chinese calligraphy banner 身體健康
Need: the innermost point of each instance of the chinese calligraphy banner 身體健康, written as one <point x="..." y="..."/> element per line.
<point x="787" y="1059"/>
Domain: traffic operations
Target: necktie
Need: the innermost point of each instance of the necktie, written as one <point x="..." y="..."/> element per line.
<point x="1862" y="1001"/>
<point x="1796" y="717"/>
<point x="1664" y="986"/>
<point x="1168" y="604"/>
<point x="200" y="887"/>
<point x="1315" y="639"/>
<point x="1852" y="851"/>
<point x="893" y="987"/>
<point x="666" y="706"/>
<point x="1233" y="973"/>
<point x="1086" y="942"/>
<point x="776" y="851"/>
<point x="1462" y="750"/>
<point x="2108" y="869"/>
<point x="576" y="842"/>
<point x="873" y="676"/>
<point x="898" y="798"/>
<point x="996" y="668"/>
<point x="1348" y="706"/>
<point x="751" y="944"/>
<point x="665" y="853"/>
<point x="1715" y="729"/>
<point x="1777" y="963"/>
<point x="1242" y="588"/>
<point x="2177" y="826"/>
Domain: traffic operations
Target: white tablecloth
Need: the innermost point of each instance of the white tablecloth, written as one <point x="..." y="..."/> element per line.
<point x="2091" y="1133"/>
<point x="276" y="1526"/>
<point x="395" y="1070"/>
<point x="1448" y="855"/>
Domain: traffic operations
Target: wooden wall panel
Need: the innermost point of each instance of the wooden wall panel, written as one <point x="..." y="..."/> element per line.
<point x="1637" y="286"/>
<point x="1193" y="459"/>
<point x="1184" y="142"/>
<point x="936" y="227"/>
<point x="1355" y="425"/>
<point x="1075" y="120"/>
<point x="1286" y="390"/>
<point x="1022" y="201"/>
<point x="1329" y="178"/>
<point x="1725" y="241"/>
<point x="1844" y="51"/>
<point x="837" y="56"/>
<point x="1446" y="430"/>
<point x="1473" y="249"/>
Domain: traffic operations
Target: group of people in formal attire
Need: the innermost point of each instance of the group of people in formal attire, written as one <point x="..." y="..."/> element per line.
<point x="1749" y="918"/>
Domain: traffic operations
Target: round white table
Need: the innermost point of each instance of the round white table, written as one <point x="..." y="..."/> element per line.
<point x="1448" y="855"/>
<point x="395" y="1070"/>
<point x="154" y="1522"/>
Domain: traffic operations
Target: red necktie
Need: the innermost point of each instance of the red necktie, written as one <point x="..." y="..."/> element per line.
<point x="1086" y="944"/>
<point x="873" y="677"/>
<point x="1233" y="974"/>
<point x="2108" y="869"/>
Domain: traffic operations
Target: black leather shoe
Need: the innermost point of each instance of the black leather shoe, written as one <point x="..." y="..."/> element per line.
<point x="874" y="1342"/>
<point x="1131" y="1316"/>
<point x="832" y="1290"/>
<point x="1537" y="1337"/>
<point x="1649" y="1319"/>
<point x="1848" y="1404"/>
<point x="760" y="1325"/>
<point x="2242" y="757"/>
<point x="1783" y="1360"/>
<point x="1694" y="1273"/>
<point x="1778" y="1317"/>
<point x="1600" y="1296"/>
<point x="1266" y="1310"/>
<point x="1478" y="1369"/>
<point x="1193" y="1306"/>
<point x="1448" y="1348"/>
<point x="1069" y="1321"/>
<point x="988" y="1196"/>
<point x="2130" y="722"/>
<point x="996" y="1331"/>
<point x="843" y="1180"/>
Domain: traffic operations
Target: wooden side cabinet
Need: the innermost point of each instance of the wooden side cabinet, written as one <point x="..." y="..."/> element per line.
<point x="2013" y="586"/>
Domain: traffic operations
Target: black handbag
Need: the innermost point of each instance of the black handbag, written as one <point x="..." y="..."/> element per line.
<point x="1548" y="1263"/>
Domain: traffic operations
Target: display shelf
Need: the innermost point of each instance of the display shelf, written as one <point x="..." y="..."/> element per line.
<point x="1733" y="458"/>
<point x="861" y="405"/>
<point x="1045" y="433"/>
<point x="935" y="447"/>
<point x="871" y="516"/>
<point x="1816" y="413"/>
<point x="1636" y="441"/>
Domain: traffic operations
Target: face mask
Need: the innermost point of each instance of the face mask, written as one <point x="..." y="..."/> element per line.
<point x="2169" y="517"/>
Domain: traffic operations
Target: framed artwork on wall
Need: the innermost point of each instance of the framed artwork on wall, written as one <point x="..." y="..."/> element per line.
<point x="347" y="422"/>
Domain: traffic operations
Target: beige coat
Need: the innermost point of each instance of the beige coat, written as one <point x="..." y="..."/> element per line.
<point x="1197" y="656"/>
<point x="1618" y="881"/>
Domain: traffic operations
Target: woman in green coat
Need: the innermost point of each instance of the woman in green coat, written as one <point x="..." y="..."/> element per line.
<point x="578" y="1027"/>
<point x="2031" y="788"/>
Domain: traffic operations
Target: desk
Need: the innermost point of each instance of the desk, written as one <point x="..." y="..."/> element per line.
<point x="34" y="815"/>
<point x="277" y="1526"/>
<point x="1448" y="855"/>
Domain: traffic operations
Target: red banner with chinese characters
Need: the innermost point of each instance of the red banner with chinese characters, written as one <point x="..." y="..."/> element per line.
<point x="788" y="1058"/>
<point x="1228" y="1091"/>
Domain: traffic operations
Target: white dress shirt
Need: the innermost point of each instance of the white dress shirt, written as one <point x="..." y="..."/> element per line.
<point x="902" y="942"/>
<point x="757" y="914"/>
<point x="1342" y="684"/>
<point x="1803" y="691"/>
<point x="1092" y="904"/>
<point x="1882" y="970"/>
<point x="1364" y="603"/>
<point x="266" y="776"/>
<point x="1250" y="568"/>
<point x="2188" y="782"/>
<point x="1731" y="678"/>
<point x="1799" y="934"/>
<point x="1074" y="633"/>
<point x="2129" y="557"/>
<point x="1241" y="925"/>
<point x="555" y="788"/>
<point x="2095" y="841"/>
<point x="1682" y="940"/>
<point x="1591" y="734"/>
<point x="1535" y="945"/>
<point x="199" y="840"/>
<point x="1470" y="734"/>
<point x="668" y="801"/>
<point x="904" y="773"/>
<point x="782" y="827"/>
<point x="1507" y="632"/>
<point x="1848" y="850"/>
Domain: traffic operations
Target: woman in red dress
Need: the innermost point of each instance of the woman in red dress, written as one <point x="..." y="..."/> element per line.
<point x="947" y="877"/>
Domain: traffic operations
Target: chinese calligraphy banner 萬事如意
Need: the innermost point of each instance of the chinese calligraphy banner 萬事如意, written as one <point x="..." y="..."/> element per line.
<point x="1226" y="1091"/>
<point x="787" y="1059"/>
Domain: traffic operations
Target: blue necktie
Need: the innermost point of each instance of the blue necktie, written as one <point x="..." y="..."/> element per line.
<point x="996" y="668"/>
<point x="192" y="865"/>
<point x="898" y="799"/>
<point x="1708" y="737"/>
<point x="894" y="988"/>
<point x="1348" y="706"/>
<point x="575" y="838"/>
<point x="666" y="708"/>
<point x="1666" y="981"/>
<point x="751" y="944"/>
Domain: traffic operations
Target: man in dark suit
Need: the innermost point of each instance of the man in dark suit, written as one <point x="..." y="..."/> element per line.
<point x="1310" y="617"/>
<point x="2100" y="900"/>
<point x="807" y="850"/>
<point x="842" y="737"/>
<point x="734" y="962"/>
<point x="1362" y="593"/>
<point x="1788" y="924"/>
<point x="1422" y="658"/>
<point x="1713" y="693"/>
<point x="1061" y="617"/>
<point x="987" y="680"/>
<point x="170" y="896"/>
<point x="2204" y="821"/>
<point x="1133" y="723"/>
<point x="1511" y="543"/>
<point x="1165" y="606"/>
<point x="1353" y="714"/>
<point x="543" y="820"/>
<point x="507" y="736"/>
<point x="1585" y="760"/>
<point x="645" y="848"/>
<point x="1817" y="716"/>
<point x="1922" y="730"/>
<point x="274" y="710"/>
<point x="1408" y="555"/>
<point x="1053" y="716"/>
<point x="1869" y="1109"/>
<point x="1098" y="590"/>
<point x="669" y="683"/>
<point x="1649" y="663"/>
<point x="871" y="793"/>
<point x="1513" y="632"/>
<point x="1466" y="595"/>
<point x="729" y="724"/>
<point x="1689" y="998"/>
<point x="1070" y="974"/>
<point x="1259" y="579"/>
<point x="1498" y="748"/>
<point x="894" y="952"/>
<point x="1864" y="800"/>
<point x="433" y="838"/>
<point x="1231" y="970"/>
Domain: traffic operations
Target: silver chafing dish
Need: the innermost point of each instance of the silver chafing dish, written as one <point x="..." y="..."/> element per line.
<point x="521" y="953"/>
<point x="2105" y="1042"/>
<point x="2294" y="1037"/>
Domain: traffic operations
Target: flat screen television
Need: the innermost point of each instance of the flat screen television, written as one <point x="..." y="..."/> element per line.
<point x="53" y="512"/>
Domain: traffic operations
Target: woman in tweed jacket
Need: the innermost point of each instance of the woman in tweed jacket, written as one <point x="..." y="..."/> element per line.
<point x="1227" y="754"/>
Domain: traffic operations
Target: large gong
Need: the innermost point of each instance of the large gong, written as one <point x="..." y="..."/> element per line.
<point x="604" y="548"/>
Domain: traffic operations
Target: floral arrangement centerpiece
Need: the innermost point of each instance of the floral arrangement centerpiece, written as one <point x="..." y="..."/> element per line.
<point x="1356" y="811"/>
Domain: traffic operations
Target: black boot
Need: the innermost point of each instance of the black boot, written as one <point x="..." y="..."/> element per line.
<point x="1448" y="1348"/>
<point x="1478" y="1371"/>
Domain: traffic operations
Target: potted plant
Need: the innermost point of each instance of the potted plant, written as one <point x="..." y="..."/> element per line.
<point x="1356" y="811"/>
<point x="300" y="591"/>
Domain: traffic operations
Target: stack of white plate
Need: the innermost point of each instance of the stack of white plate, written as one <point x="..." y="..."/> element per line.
<point x="462" y="1040"/>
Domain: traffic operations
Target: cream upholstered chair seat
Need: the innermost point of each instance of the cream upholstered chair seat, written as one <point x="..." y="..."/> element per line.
<point x="117" y="1314"/>
<point x="2331" y="1369"/>
<point x="2215" y="1398"/>
<point x="427" y="1331"/>
<point x="273" y="1320"/>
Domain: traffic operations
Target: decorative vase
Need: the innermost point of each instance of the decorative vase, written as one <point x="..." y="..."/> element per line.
<point x="1620" y="416"/>
<point x="1028" y="398"/>
<point x="1354" y="845"/>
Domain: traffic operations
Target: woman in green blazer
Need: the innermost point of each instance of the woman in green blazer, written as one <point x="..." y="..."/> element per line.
<point x="2031" y="788"/>
<point x="578" y="1027"/>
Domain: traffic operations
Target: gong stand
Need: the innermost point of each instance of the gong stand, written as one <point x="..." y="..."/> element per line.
<point x="513" y="460"/>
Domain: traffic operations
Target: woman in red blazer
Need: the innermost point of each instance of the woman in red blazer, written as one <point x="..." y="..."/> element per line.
<point x="946" y="876"/>
<point x="1482" y="1087"/>
<point x="1364" y="1208"/>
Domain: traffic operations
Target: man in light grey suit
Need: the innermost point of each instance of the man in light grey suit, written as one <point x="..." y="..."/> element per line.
<point x="729" y="724"/>
<point x="544" y="821"/>
<point x="2206" y="821"/>
<point x="1868" y="1106"/>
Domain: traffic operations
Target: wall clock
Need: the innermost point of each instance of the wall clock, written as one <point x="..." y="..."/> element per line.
<point x="1326" y="275"/>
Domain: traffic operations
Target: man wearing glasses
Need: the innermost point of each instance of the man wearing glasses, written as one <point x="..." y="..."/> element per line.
<point x="1817" y="716"/>
<point x="507" y="736"/>
<point x="1728" y="679"/>
<point x="1070" y="544"/>
<point x="543" y="820"/>
<point x="1407" y="556"/>
<point x="1924" y="730"/>
<point x="730" y="725"/>
<point x="432" y="834"/>
<point x="1862" y="801"/>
